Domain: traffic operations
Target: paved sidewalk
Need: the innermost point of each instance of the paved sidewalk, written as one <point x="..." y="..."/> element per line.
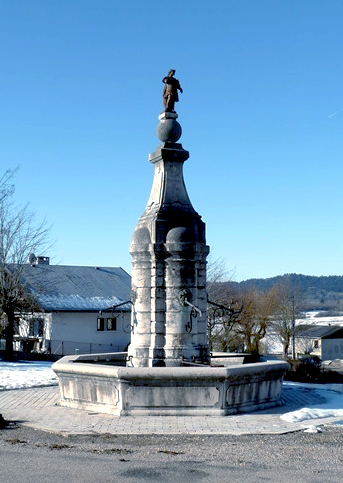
<point x="37" y="407"/>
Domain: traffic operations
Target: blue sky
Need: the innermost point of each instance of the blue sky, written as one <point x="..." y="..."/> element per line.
<point x="261" y="112"/>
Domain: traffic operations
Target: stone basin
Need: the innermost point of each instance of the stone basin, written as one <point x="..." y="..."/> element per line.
<point x="95" y="382"/>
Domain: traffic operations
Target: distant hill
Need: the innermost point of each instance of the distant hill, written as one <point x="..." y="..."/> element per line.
<point x="332" y="283"/>
<point x="317" y="293"/>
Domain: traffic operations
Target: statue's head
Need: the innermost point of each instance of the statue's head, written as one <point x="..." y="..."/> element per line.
<point x="171" y="72"/>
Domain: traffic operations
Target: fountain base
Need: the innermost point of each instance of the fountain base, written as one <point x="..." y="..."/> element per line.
<point x="93" y="382"/>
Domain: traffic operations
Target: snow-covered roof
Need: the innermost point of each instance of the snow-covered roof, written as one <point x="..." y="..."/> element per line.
<point x="319" y="331"/>
<point x="77" y="288"/>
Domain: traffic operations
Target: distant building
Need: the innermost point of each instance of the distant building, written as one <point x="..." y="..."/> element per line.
<point x="75" y="309"/>
<point x="324" y="341"/>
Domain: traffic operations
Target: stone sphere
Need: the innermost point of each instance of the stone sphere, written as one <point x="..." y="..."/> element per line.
<point x="179" y="234"/>
<point x="169" y="130"/>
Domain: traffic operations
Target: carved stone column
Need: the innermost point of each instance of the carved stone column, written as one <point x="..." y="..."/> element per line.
<point x="169" y="253"/>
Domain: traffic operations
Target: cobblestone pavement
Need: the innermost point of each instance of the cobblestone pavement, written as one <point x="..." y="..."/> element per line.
<point x="38" y="408"/>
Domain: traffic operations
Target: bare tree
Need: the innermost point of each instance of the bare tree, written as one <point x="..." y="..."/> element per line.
<point x="238" y="320"/>
<point x="306" y="346"/>
<point x="217" y="271"/>
<point x="286" y="299"/>
<point x="222" y="309"/>
<point x="222" y="316"/>
<point x="254" y="320"/>
<point x="20" y="235"/>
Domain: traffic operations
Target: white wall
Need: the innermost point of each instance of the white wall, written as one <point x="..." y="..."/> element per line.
<point x="332" y="349"/>
<point x="305" y="345"/>
<point x="78" y="330"/>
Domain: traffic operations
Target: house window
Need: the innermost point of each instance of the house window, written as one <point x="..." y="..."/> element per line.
<point x="316" y="344"/>
<point x="40" y="328"/>
<point x="100" y="323"/>
<point x="112" y="323"/>
<point x="36" y="328"/>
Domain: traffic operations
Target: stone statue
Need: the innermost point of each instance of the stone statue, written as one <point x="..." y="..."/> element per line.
<point x="170" y="94"/>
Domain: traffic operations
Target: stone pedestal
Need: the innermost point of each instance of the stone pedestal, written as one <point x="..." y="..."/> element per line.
<point x="169" y="253"/>
<point x="173" y="391"/>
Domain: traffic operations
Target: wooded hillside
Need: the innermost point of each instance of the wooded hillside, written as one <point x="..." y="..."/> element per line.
<point x="316" y="293"/>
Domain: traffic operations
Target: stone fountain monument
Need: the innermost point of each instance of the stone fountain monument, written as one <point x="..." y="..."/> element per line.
<point x="167" y="369"/>
<point x="169" y="259"/>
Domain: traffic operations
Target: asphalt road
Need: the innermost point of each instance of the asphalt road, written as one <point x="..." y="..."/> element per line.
<point x="28" y="455"/>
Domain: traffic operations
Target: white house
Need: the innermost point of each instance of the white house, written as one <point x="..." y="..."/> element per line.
<point x="325" y="341"/>
<point x="83" y="309"/>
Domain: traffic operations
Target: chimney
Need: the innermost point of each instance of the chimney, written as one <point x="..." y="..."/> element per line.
<point x="38" y="260"/>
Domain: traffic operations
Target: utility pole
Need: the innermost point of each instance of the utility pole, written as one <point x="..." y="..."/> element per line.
<point x="293" y="326"/>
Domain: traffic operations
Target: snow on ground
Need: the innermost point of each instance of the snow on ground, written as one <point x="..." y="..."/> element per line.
<point x="333" y="407"/>
<point x="21" y="375"/>
<point x="315" y="319"/>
